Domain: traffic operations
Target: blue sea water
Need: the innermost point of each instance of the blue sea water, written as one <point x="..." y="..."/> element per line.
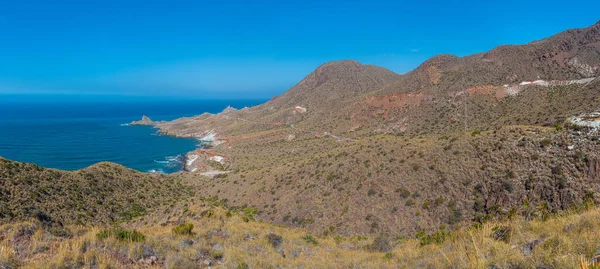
<point x="75" y="135"/>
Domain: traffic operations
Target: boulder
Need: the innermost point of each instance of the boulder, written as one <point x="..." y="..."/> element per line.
<point x="528" y="248"/>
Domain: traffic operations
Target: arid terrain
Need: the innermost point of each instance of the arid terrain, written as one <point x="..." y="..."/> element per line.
<point x="361" y="149"/>
<point x="485" y="161"/>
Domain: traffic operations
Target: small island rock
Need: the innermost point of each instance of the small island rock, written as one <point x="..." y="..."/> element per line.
<point x="144" y="121"/>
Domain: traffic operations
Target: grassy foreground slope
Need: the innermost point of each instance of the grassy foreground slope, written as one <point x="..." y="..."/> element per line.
<point x="214" y="236"/>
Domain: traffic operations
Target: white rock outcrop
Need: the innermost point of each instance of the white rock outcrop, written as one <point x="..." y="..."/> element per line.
<point x="300" y="109"/>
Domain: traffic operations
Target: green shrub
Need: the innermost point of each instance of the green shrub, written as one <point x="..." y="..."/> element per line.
<point x="507" y="186"/>
<point x="439" y="201"/>
<point x="249" y="214"/>
<point x="426" y="204"/>
<point x="310" y="239"/>
<point x="476" y="132"/>
<point x="183" y="229"/>
<point x="130" y="236"/>
<point x="404" y="193"/>
<point x="242" y="266"/>
<point x="121" y="235"/>
<point x="436" y="238"/>
<point x="103" y="234"/>
<point x="135" y="211"/>
<point x="455" y="216"/>
<point x="545" y="142"/>
<point x="558" y="127"/>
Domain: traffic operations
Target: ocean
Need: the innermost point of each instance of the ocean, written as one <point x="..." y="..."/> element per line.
<point x="75" y="135"/>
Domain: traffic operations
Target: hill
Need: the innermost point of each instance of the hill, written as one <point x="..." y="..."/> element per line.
<point x="101" y="194"/>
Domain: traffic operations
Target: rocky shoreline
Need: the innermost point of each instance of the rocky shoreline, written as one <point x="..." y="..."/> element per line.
<point x="201" y="160"/>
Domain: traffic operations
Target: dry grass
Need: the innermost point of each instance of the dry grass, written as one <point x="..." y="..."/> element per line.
<point x="400" y="185"/>
<point x="230" y="242"/>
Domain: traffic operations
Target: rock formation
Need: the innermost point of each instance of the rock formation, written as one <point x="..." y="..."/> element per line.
<point x="144" y="121"/>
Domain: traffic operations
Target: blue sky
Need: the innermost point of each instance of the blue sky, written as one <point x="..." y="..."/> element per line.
<point x="242" y="49"/>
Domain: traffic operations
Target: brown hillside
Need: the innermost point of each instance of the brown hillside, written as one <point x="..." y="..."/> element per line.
<point x="400" y="185"/>
<point x="103" y="193"/>
<point x="334" y="82"/>
<point x="374" y="151"/>
<point x="350" y="99"/>
<point x="572" y="54"/>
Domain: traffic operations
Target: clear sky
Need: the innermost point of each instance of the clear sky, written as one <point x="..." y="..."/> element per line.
<point x="243" y="49"/>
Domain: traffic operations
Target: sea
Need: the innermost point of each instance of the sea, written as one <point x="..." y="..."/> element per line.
<point x="73" y="135"/>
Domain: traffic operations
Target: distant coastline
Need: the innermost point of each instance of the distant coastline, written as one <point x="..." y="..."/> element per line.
<point x="72" y="136"/>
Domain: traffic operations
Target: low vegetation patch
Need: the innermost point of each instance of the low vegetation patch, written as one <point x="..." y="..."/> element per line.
<point x="121" y="235"/>
<point x="310" y="239"/>
<point x="183" y="229"/>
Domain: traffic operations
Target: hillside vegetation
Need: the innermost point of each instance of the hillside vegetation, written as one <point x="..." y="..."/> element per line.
<point x="212" y="236"/>
<point x="101" y="194"/>
<point x="401" y="185"/>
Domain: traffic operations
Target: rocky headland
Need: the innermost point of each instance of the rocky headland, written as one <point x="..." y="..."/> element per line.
<point x="146" y="121"/>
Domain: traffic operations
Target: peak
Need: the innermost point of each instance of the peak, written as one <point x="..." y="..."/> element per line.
<point x="352" y="62"/>
<point x="346" y="69"/>
<point x="440" y="60"/>
<point x="443" y="57"/>
<point x="104" y="165"/>
<point x="342" y="63"/>
<point x="336" y="69"/>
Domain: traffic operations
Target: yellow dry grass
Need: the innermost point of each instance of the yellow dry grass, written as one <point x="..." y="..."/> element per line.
<point x="568" y="241"/>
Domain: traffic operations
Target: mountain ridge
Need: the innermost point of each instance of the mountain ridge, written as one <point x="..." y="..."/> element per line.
<point x="345" y="96"/>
